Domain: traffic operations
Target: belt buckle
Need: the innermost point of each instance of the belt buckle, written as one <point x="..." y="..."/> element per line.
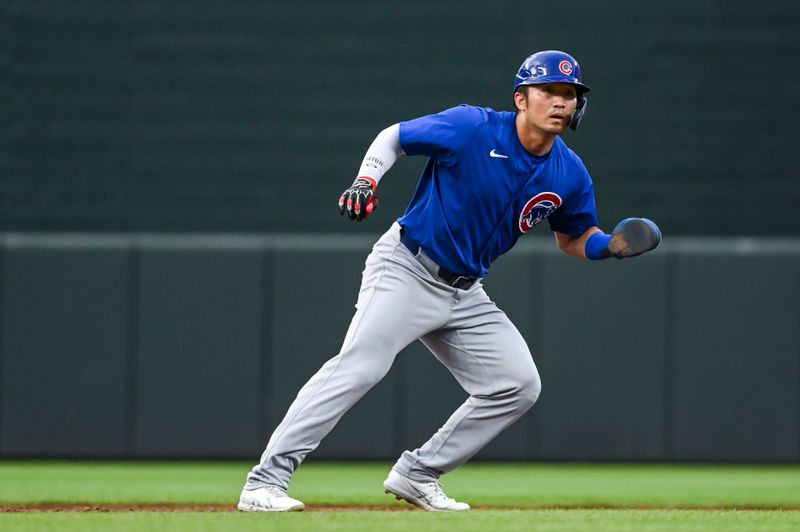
<point x="458" y="278"/>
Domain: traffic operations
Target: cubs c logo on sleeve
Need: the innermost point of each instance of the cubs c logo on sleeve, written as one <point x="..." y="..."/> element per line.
<point x="537" y="209"/>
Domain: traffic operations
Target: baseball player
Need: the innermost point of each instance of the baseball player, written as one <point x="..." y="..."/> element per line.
<point x="490" y="177"/>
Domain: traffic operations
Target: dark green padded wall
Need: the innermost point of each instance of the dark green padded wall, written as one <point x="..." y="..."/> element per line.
<point x="602" y="358"/>
<point x="198" y="349"/>
<point x="65" y="349"/>
<point x="253" y="116"/>
<point x="194" y="346"/>
<point x="736" y="357"/>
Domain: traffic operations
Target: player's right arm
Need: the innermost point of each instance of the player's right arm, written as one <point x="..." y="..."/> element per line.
<point x="359" y="201"/>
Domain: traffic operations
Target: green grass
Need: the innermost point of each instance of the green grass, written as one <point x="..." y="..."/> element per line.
<point x="505" y="496"/>
<point x="507" y="521"/>
<point x="497" y="485"/>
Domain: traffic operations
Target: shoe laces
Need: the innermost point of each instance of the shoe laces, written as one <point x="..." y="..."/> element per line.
<point x="275" y="491"/>
<point x="436" y="493"/>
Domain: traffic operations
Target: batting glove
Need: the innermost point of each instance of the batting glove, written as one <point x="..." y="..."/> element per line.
<point x="634" y="236"/>
<point x="359" y="200"/>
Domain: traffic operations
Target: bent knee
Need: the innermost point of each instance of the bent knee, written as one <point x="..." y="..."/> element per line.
<point x="522" y="391"/>
<point x="529" y="389"/>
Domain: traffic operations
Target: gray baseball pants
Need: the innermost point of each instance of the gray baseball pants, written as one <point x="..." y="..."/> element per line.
<point x="401" y="300"/>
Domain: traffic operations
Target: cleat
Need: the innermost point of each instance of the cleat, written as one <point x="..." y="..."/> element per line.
<point x="426" y="495"/>
<point x="268" y="499"/>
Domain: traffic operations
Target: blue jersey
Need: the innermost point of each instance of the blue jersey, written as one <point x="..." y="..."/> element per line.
<point x="481" y="190"/>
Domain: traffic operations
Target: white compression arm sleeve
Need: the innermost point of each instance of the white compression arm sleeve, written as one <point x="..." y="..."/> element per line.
<point x="382" y="154"/>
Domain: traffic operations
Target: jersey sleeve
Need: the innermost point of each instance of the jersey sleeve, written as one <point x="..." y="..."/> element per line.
<point x="579" y="212"/>
<point x="440" y="136"/>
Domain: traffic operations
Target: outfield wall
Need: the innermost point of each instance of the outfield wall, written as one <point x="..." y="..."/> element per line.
<point x="194" y="346"/>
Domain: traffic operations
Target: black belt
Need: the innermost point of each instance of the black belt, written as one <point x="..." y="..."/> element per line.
<point x="455" y="280"/>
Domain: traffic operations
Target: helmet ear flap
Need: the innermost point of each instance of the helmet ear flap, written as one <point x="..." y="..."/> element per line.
<point x="577" y="115"/>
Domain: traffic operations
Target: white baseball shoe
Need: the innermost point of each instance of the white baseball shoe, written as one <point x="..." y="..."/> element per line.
<point x="268" y="499"/>
<point x="427" y="495"/>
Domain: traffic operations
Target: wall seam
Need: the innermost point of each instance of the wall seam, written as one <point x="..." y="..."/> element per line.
<point x="670" y="356"/>
<point x="266" y="368"/>
<point x="132" y="355"/>
<point x="2" y="337"/>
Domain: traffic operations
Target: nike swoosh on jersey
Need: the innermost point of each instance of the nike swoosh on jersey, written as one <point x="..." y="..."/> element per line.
<point x="495" y="154"/>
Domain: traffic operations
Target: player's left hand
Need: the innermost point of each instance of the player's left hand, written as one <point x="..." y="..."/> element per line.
<point x="359" y="201"/>
<point x="634" y="236"/>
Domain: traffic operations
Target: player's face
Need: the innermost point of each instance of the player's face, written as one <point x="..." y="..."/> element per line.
<point x="549" y="106"/>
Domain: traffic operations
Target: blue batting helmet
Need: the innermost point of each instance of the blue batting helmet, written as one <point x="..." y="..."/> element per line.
<point x="553" y="66"/>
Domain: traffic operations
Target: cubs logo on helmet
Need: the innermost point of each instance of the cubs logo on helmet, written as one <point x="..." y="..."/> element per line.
<point x="550" y="66"/>
<point x="537" y="209"/>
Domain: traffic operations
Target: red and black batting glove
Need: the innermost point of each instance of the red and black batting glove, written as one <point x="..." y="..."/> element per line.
<point x="359" y="201"/>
